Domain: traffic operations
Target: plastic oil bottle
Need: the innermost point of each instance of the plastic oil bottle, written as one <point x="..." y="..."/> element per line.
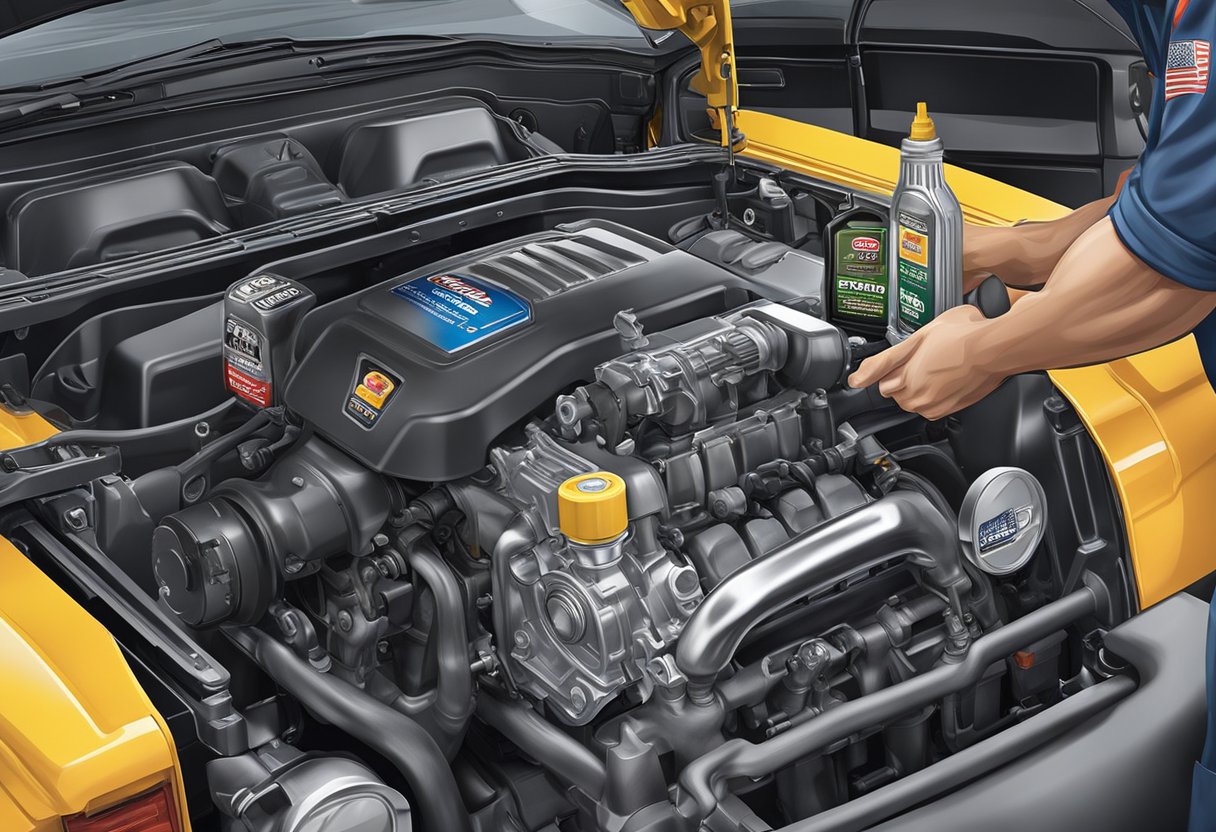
<point x="926" y="234"/>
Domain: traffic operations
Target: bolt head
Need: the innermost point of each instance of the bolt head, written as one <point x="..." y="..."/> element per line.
<point x="76" y="518"/>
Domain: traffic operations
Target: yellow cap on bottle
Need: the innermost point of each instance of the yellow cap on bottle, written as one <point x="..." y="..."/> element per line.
<point x="923" y="128"/>
<point x="591" y="508"/>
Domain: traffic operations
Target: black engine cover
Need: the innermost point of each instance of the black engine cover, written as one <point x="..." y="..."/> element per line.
<point x="416" y="377"/>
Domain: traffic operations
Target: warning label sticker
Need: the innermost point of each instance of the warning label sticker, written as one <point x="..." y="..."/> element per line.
<point x="248" y="388"/>
<point x="373" y="388"/>
<point x="245" y="372"/>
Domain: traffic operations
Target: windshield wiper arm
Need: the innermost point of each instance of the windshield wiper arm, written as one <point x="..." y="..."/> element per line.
<point x="153" y="64"/>
<point x="70" y="93"/>
<point x="107" y="86"/>
<point x="32" y="107"/>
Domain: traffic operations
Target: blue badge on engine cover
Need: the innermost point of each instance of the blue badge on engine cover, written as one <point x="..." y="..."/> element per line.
<point x="454" y="311"/>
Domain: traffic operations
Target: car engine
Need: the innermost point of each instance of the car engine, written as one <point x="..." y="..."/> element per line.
<point x="584" y="530"/>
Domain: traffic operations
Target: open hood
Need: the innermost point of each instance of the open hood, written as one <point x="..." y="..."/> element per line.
<point x="707" y="24"/>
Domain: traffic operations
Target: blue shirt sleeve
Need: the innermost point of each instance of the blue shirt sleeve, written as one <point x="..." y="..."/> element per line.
<point x="1166" y="213"/>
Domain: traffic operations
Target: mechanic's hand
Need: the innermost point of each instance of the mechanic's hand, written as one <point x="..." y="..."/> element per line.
<point x="936" y="371"/>
<point x="979" y="244"/>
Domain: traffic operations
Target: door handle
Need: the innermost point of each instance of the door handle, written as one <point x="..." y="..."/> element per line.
<point x="767" y="79"/>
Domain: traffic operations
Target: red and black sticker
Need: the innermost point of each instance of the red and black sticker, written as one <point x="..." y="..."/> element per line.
<point x="373" y="388"/>
<point x="245" y="373"/>
<point x="247" y="387"/>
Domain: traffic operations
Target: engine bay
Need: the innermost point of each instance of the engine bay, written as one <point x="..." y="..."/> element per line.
<point x="565" y="519"/>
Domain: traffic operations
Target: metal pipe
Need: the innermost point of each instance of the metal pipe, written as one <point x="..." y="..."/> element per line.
<point x="970" y="764"/>
<point x="556" y="751"/>
<point x="740" y="758"/>
<point x="401" y="741"/>
<point x="755" y="681"/>
<point x="902" y="524"/>
<point x="519" y="536"/>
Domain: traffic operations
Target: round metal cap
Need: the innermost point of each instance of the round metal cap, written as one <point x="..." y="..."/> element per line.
<point x="592" y="485"/>
<point x="1002" y="521"/>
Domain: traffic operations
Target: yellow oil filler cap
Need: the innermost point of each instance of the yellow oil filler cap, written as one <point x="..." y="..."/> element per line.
<point x="923" y="128"/>
<point x="591" y="507"/>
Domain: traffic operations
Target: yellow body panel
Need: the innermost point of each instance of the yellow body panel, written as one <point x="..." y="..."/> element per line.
<point x="19" y="429"/>
<point x="867" y="166"/>
<point x="1152" y="415"/>
<point x="77" y="732"/>
<point x="708" y="25"/>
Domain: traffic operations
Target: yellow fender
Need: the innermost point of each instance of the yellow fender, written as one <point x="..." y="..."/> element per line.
<point x="77" y="732"/>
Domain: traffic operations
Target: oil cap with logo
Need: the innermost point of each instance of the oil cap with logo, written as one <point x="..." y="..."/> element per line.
<point x="260" y="317"/>
<point x="1002" y="520"/>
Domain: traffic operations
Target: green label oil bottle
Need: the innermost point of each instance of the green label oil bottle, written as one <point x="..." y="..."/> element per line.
<point x="926" y="235"/>
<point x="855" y="249"/>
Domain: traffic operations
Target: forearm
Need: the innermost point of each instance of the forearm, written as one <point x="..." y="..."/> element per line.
<point x="1100" y="303"/>
<point x="1025" y="255"/>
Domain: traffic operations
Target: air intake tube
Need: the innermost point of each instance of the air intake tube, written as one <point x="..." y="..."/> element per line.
<point x="902" y="524"/>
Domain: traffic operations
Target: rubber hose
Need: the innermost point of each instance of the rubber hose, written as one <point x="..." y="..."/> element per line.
<point x="556" y="751"/>
<point x="398" y="738"/>
<point x="454" y="698"/>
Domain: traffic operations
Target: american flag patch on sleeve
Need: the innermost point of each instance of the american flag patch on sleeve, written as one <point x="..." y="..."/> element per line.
<point x="1187" y="66"/>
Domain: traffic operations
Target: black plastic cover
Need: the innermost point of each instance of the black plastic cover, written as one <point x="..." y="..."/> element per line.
<point x="153" y="377"/>
<point x="95" y="220"/>
<point x="273" y="178"/>
<point x="405" y="152"/>
<point x="384" y="378"/>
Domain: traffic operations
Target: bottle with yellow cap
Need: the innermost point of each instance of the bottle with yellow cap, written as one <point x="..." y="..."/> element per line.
<point x="926" y="234"/>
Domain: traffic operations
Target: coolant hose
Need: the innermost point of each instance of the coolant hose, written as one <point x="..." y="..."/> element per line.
<point x="454" y="698"/>
<point x="555" y="750"/>
<point x="904" y="524"/>
<point x="516" y="538"/>
<point x="398" y="738"/>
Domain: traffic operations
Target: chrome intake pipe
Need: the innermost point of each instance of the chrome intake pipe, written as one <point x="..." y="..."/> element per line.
<point x="904" y="524"/>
